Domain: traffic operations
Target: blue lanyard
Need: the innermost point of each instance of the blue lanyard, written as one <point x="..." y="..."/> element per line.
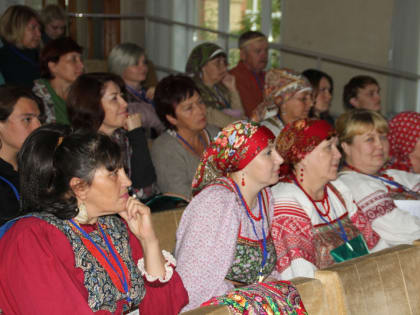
<point x="220" y="96"/>
<point x="265" y="253"/>
<point x="11" y="186"/>
<point x="18" y="53"/>
<point x="189" y="145"/>
<point x="393" y="183"/>
<point x="87" y="236"/>
<point x="342" y="232"/>
<point x="140" y="95"/>
<point x="259" y="83"/>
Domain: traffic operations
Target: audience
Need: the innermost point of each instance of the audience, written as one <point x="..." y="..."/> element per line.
<point x="223" y="238"/>
<point x="249" y="72"/>
<point x="322" y="90"/>
<point x="54" y="22"/>
<point x="290" y="92"/>
<point x="404" y="140"/>
<point x="128" y="60"/>
<point x="75" y="189"/>
<point x="96" y="103"/>
<point x="20" y="31"/>
<point x="19" y="116"/>
<point x="362" y="92"/>
<point x="176" y="153"/>
<point x="312" y="219"/>
<point x="61" y="64"/>
<point x="208" y="65"/>
<point x="363" y="139"/>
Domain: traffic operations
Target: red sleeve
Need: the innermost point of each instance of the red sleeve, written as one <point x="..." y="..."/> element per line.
<point x="37" y="272"/>
<point x="292" y="234"/>
<point x="161" y="298"/>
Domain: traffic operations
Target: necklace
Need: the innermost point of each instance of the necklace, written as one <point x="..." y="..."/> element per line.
<point x="116" y="269"/>
<point x="325" y="200"/>
<point x="189" y="146"/>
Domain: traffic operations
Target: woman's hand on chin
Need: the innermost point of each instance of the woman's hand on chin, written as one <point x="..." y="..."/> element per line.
<point x="139" y="220"/>
<point x="133" y="122"/>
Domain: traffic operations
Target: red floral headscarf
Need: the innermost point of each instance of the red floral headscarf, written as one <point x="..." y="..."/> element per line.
<point x="300" y="138"/>
<point x="404" y="132"/>
<point x="230" y="151"/>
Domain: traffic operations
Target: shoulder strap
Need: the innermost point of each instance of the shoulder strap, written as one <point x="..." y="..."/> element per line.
<point x="5" y="227"/>
<point x="11" y="186"/>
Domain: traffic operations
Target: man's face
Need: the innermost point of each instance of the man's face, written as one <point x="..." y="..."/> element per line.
<point x="255" y="55"/>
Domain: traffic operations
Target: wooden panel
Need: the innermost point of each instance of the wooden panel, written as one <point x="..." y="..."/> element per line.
<point x="112" y="28"/>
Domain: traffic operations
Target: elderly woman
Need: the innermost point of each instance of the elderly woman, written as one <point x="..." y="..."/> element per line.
<point x="208" y="64"/>
<point x="96" y="103"/>
<point x="54" y="21"/>
<point x="315" y="221"/>
<point x="363" y="139"/>
<point x="290" y="94"/>
<point x="20" y="31"/>
<point x="322" y="90"/>
<point x="128" y="60"/>
<point x="61" y="64"/>
<point x="19" y="116"/>
<point x="85" y="246"/>
<point x="176" y="153"/>
<point x="404" y="141"/>
<point x="224" y="235"/>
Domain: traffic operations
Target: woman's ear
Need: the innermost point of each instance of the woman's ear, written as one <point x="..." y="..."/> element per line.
<point x="79" y="187"/>
<point x="52" y="66"/>
<point x="346" y="149"/>
<point x="172" y="120"/>
<point x="355" y="102"/>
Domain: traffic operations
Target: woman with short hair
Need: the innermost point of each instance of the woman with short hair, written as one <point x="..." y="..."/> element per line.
<point x="54" y="21"/>
<point x="381" y="195"/>
<point x="61" y="64"/>
<point x="19" y="116"/>
<point x="85" y="245"/>
<point x="128" y="60"/>
<point x="20" y="31"/>
<point x="95" y="102"/>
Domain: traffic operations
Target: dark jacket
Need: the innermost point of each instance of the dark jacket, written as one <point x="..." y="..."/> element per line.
<point x="9" y="204"/>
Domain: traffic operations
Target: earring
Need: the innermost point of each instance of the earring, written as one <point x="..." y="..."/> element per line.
<point x="82" y="215"/>
<point x="243" y="180"/>
<point x="301" y="175"/>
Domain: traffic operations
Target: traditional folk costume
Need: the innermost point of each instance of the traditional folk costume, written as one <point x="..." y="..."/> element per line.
<point x="223" y="106"/>
<point x="220" y="240"/>
<point x="306" y="232"/>
<point x="404" y="133"/>
<point x="377" y="195"/>
<point x="62" y="272"/>
<point x="280" y="86"/>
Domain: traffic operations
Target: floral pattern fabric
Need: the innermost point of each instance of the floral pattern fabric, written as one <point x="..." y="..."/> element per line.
<point x="280" y="298"/>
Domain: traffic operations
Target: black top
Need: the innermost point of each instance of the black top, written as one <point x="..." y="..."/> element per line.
<point x="19" y="66"/>
<point x="9" y="205"/>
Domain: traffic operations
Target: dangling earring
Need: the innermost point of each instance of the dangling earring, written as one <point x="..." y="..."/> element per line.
<point x="243" y="180"/>
<point x="301" y="175"/>
<point x="82" y="215"/>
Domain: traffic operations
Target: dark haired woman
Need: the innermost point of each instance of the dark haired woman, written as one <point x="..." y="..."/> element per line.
<point x="61" y="64"/>
<point x="20" y="31"/>
<point x="76" y="256"/>
<point x="322" y="89"/>
<point x="19" y="116"/>
<point x="176" y="153"/>
<point x="96" y="103"/>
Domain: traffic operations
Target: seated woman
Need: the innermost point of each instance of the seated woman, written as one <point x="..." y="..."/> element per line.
<point x="208" y="64"/>
<point x="312" y="215"/>
<point x="61" y="64"/>
<point x="362" y="92"/>
<point x="322" y="90"/>
<point x="129" y="61"/>
<point x="404" y="141"/>
<point x="363" y="139"/>
<point x="223" y="238"/>
<point x="20" y="31"/>
<point x="176" y="153"/>
<point x="54" y="22"/>
<point x="85" y="246"/>
<point x="290" y="94"/>
<point x="19" y="116"/>
<point x="96" y="103"/>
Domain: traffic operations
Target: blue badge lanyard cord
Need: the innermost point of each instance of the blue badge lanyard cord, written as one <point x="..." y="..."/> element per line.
<point x="87" y="236"/>
<point x="259" y="83"/>
<point x="393" y="183"/>
<point x="189" y="145"/>
<point x="11" y="186"/>
<point x="19" y="54"/>
<point x="219" y="96"/>
<point x="265" y="253"/>
<point x="140" y="96"/>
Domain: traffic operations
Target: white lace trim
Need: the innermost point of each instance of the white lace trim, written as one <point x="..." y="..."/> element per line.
<point x="169" y="268"/>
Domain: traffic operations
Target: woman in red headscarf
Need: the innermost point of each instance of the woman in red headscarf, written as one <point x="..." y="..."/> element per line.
<point x="224" y="235"/>
<point x="314" y="224"/>
<point x="404" y="141"/>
